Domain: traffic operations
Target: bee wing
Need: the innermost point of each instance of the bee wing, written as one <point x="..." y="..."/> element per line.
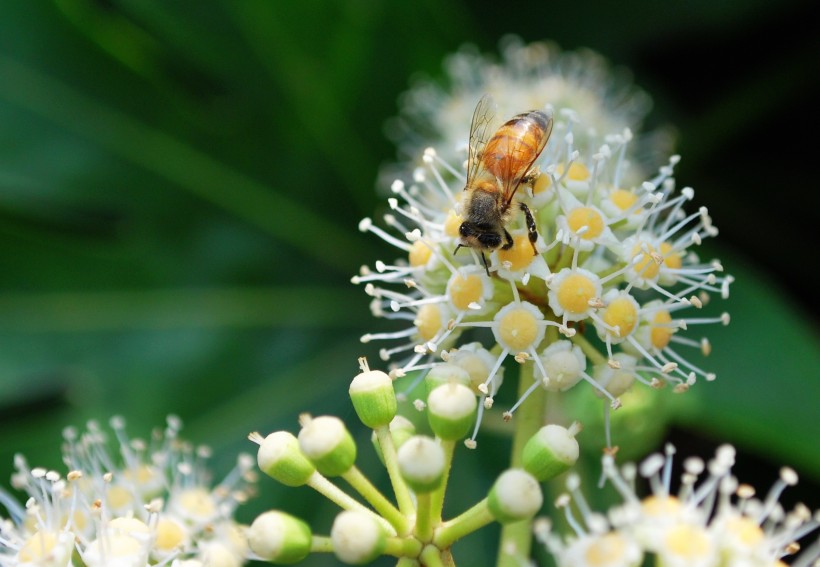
<point x="518" y="146"/>
<point x="480" y="132"/>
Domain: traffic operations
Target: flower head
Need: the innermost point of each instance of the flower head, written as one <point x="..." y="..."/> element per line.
<point x="711" y="520"/>
<point x="606" y="274"/>
<point x="146" y="503"/>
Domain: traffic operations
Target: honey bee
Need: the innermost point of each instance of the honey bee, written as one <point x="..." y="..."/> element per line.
<point x="498" y="163"/>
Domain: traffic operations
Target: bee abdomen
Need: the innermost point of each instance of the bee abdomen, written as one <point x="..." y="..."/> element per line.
<point x="515" y="144"/>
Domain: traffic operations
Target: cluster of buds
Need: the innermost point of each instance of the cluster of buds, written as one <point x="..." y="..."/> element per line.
<point x="148" y="503"/>
<point x="408" y="526"/>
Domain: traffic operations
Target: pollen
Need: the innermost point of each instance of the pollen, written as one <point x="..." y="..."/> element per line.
<point x="588" y="218"/>
<point x="577" y="171"/>
<point x="197" y="503"/>
<point x="520" y="255"/>
<point x="419" y="254"/>
<point x="661" y="331"/>
<point x="575" y="292"/>
<point x="623" y="199"/>
<point x="452" y="223"/>
<point x="428" y="321"/>
<point x="518" y="327"/>
<point x="622" y="313"/>
<point x="606" y="550"/>
<point x="464" y="290"/>
<point x="542" y="183"/>
<point x="688" y="541"/>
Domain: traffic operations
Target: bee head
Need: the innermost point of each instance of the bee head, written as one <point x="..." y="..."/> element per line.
<point x="475" y="238"/>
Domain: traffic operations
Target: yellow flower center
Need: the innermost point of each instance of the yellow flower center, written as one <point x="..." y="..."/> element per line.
<point x="609" y="549"/>
<point x="542" y="183"/>
<point x="660" y="506"/>
<point x="518" y="329"/>
<point x="428" y="321"/>
<point x="623" y="199"/>
<point x="464" y="290"/>
<point x="575" y="292"/>
<point x="118" y="497"/>
<point x="745" y="530"/>
<point x="577" y="171"/>
<point x="581" y="217"/>
<point x="520" y="255"/>
<point x="170" y="535"/>
<point x="197" y="503"/>
<point x="452" y="224"/>
<point x="419" y="254"/>
<point x="647" y="267"/>
<point x="661" y="332"/>
<point x="688" y="542"/>
<point x="672" y="260"/>
<point x="621" y="313"/>
<point x="37" y="547"/>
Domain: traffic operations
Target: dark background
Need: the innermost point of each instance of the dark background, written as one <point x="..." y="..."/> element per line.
<point x="180" y="185"/>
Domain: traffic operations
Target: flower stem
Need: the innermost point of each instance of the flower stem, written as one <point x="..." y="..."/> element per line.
<point x="403" y="547"/>
<point x="517" y="536"/>
<point x="437" y="497"/>
<point x="376" y="499"/>
<point x="392" y="464"/>
<point x="431" y="557"/>
<point x="424" y="521"/>
<point x="339" y="497"/>
<point x="469" y="521"/>
<point x="321" y="544"/>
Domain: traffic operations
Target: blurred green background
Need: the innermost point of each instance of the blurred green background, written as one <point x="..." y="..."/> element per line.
<point x="180" y="185"/>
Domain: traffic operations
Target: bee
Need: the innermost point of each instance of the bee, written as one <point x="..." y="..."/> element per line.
<point x="498" y="163"/>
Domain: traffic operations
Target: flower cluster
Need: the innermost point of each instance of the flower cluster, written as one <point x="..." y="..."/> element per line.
<point x="151" y="504"/>
<point x="410" y="526"/>
<point x="607" y="297"/>
<point x="713" y="520"/>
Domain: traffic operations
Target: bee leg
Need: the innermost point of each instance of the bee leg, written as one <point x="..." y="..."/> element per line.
<point x="508" y="241"/>
<point x="457" y="249"/>
<point x="531" y="228"/>
<point x="484" y="261"/>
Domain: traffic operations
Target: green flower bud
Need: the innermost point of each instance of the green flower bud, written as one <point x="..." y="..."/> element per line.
<point x="515" y="496"/>
<point x="445" y="374"/>
<point x="279" y="457"/>
<point x="551" y="451"/>
<point x="327" y="443"/>
<point x="401" y="429"/>
<point x="421" y="463"/>
<point x="373" y="397"/>
<point x="357" y="538"/>
<point x="451" y="411"/>
<point x="279" y="538"/>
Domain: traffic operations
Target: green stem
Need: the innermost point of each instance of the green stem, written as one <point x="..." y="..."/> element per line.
<point x="342" y="499"/>
<point x="392" y="464"/>
<point x="321" y="544"/>
<point x="424" y="518"/>
<point x="383" y="506"/>
<point x="431" y="557"/>
<point x="403" y="547"/>
<point x="529" y="418"/>
<point x="407" y="562"/>
<point x="469" y="521"/>
<point x="590" y="351"/>
<point x="437" y="497"/>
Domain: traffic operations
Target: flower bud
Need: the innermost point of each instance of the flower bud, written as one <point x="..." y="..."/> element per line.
<point x="401" y="429"/>
<point x="451" y="411"/>
<point x="327" y="443"/>
<point x="421" y="463"/>
<point x="551" y="451"/>
<point x="279" y="457"/>
<point x="516" y="495"/>
<point x="445" y="374"/>
<point x="373" y="397"/>
<point x="357" y="538"/>
<point x="279" y="538"/>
